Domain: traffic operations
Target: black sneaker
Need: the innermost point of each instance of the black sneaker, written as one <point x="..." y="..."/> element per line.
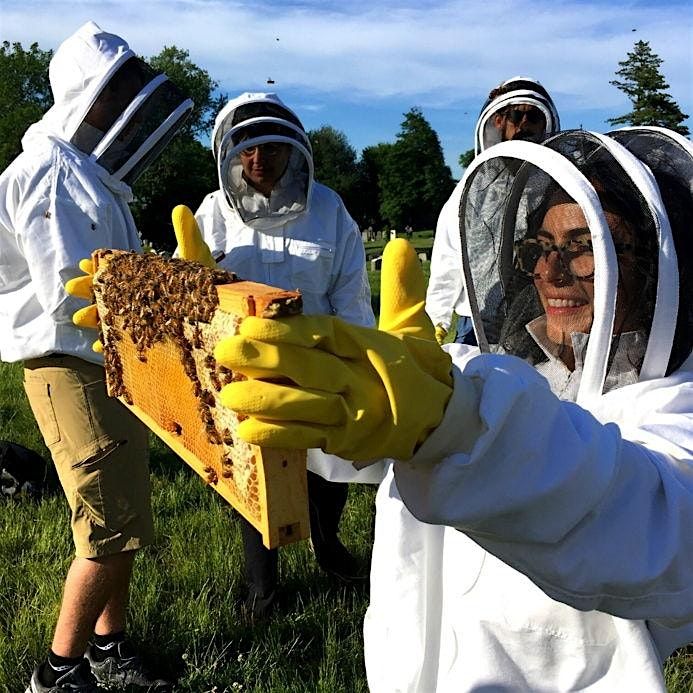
<point x="335" y="559"/>
<point x="79" y="679"/>
<point x="259" y="608"/>
<point x="124" y="670"/>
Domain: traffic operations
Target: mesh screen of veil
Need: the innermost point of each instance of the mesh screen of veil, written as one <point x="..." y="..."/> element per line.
<point x="505" y="200"/>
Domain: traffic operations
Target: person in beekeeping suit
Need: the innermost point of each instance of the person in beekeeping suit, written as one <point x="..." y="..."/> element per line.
<point x="274" y="224"/>
<point x="63" y="197"/>
<point x="532" y="533"/>
<point x="519" y="108"/>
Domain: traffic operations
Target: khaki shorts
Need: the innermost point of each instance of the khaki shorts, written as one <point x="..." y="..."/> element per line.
<point x="100" y="451"/>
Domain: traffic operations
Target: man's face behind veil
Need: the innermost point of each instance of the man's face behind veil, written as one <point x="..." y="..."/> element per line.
<point x="520" y="122"/>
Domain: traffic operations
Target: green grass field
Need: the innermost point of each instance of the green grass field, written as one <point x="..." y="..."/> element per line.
<point x="185" y="600"/>
<point x="186" y="594"/>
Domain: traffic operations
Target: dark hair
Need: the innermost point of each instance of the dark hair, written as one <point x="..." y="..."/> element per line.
<point x="678" y="202"/>
<point x="264" y="108"/>
<point x="515" y="85"/>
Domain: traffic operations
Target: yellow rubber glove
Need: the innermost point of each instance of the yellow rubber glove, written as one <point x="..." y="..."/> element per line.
<point x="81" y="287"/>
<point x="191" y="245"/>
<point x="441" y="333"/>
<point x="360" y="393"/>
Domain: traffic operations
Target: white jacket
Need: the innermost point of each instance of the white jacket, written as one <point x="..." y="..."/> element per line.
<point x="320" y="253"/>
<point x="57" y="205"/>
<point x="447" y="615"/>
<point x="445" y="291"/>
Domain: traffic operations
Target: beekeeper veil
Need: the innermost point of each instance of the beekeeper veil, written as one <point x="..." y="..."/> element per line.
<point x="514" y="92"/>
<point x="574" y="268"/>
<point x="263" y="122"/>
<point x="112" y="105"/>
<point x="669" y="156"/>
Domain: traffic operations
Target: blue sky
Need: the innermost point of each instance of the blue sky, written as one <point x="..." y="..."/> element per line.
<point x="359" y="66"/>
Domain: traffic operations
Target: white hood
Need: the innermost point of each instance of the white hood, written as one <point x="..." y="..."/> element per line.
<point x="504" y="301"/>
<point x="254" y="119"/>
<point x="518" y="90"/>
<point x="137" y="125"/>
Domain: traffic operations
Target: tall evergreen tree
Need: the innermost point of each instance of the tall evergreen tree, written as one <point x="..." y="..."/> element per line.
<point x="644" y="84"/>
<point x="25" y="94"/>
<point x="415" y="181"/>
<point x="371" y="167"/>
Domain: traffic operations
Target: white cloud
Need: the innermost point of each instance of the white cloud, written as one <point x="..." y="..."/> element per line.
<point x="437" y="54"/>
<point x="440" y="50"/>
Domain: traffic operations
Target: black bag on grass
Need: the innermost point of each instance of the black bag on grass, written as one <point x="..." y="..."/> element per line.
<point x="22" y="471"/>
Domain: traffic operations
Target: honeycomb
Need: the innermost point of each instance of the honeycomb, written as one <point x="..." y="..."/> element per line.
<point x="160" y="320"/>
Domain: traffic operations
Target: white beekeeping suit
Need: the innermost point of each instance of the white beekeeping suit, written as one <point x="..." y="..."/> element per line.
<point x="539" y="539"/>
<point x="445" y="292"/>
<point x="299" y="237"/>
<point x="67" y="193"/>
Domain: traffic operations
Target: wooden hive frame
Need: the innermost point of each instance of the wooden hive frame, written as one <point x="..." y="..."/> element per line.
<point x="160" y="320"/>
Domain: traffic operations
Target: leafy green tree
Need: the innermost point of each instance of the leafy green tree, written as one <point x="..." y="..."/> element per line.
<point x="643" y="83"/>
<point x="336" y="166"/>
<point x="25" y="94"/>
<point x="194" y="82"/>
<point x="415" y="181"/>
<point x="185" y="172"/>
<point x="466" y="158"/>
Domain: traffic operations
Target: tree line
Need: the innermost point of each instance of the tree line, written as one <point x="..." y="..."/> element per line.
<point x="390" y="185"/>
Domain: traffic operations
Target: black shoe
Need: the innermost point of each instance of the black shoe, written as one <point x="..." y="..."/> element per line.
<point x="124" y="669"/>
<point x="336" y="560"/>
<point x="259" y="607"/>
<point x="79" y="679"/>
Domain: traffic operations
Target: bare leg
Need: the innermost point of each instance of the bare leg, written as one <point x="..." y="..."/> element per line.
<point x="94" y="598"/>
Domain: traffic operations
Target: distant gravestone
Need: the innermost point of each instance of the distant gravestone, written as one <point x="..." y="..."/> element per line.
<point x="393" y="234"/>
<point x="423" y="257"/>
<point x="376" y="263"/>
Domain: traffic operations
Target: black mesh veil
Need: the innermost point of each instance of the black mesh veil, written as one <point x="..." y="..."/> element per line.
<point x="601" y="308"/>
<point x="135" y="114"/>
<point x="514" y="92"/>
<point x="670" y="158"/>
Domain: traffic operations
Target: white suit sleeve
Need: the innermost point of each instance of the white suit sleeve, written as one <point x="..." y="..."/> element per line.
<point x="445" y="285"/>
<point x="598" y="522"/>
<point x="211" y="224"/>
<point x="56" y="228"/>
<point x="349" y="293"/>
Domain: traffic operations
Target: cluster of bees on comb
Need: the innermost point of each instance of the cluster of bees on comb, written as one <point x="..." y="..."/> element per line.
<point x="148" y="299"/>
<point x="156" y="297"/>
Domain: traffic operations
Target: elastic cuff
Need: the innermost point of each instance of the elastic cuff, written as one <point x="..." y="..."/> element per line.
<point x="461" y="425"/>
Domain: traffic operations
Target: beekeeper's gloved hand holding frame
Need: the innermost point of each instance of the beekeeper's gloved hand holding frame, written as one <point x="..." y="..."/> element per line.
<point x="356" y="392"/>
